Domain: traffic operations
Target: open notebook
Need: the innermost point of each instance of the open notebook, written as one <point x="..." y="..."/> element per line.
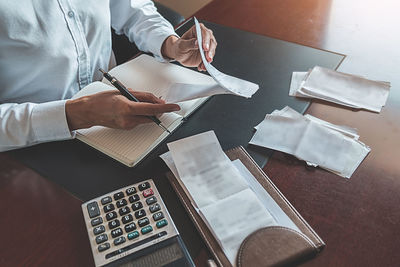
<point x="143" y="73"/>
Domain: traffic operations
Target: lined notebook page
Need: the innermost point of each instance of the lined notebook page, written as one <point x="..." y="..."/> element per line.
<point x="129" y="146"/>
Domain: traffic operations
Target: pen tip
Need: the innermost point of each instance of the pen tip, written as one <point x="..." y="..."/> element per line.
<point x="164" y="128"/>
<point x="103" y="71"/>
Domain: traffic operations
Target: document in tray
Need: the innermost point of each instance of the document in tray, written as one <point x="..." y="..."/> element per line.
<point x="204" y="169"/>
<point x="332" y="147"/>
<point x="225" y="194"/>
<point x="340" y="88"/>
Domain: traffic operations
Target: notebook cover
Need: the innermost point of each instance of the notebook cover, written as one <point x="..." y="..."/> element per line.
<point x="307" y="243"/>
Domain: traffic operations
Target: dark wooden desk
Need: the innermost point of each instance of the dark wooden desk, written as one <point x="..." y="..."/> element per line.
<point x="358" y="218"/>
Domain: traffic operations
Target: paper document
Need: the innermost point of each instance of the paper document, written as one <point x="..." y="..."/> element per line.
<point x="218" y="191"/>
<point x="225" y="84"/>
<point x="266" y="200"/>
<point x="332" y="147"/>
<point x="231" y="84"/>
<point x="340" y="88"/>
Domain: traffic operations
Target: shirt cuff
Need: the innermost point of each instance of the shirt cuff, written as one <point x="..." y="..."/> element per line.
<point x="49" y="122"/>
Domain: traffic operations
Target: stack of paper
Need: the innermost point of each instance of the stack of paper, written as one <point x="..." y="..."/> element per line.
<point x="340" y="88"/>
<point x="226" y="195"/>
<point x="320" y="143"/>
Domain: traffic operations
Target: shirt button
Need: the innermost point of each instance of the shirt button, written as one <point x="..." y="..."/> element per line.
<point x="71" y="14"/>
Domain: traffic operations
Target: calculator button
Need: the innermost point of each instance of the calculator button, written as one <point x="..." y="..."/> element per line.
<point x="123" y="211"/>
<point x="113" y="224"/>
<point x="143" y="222"/>
<point x="101" y="238"/>
<point x="130" y="227"/>
<point x="137" y="206"/>
<point x="140" y="214"/>
<point x="106" y="200"/>
<point x="144" y="186"/>
<point x="148" y="192"/>
<point x="117" y="232"/>
<point x="99" y="229"/>
<point x="154" y="208"/>
<point x="110" y="216"/>
<point x="118" y="195"/>
<point x="158" y="216"/>
<point x="133" y="235"/>
<point x="151" y="200"/>
<point x="103" y="247"/>
<point x="109" y="207"/>
<point x="119" y="240"/>
<point x="130" y="191"/>
<point x="96" y="221"/>
<point x="121" y="203"/>
<point x="162" y="223"/>
<point x="146" y="229"/>
<point x="93" y="209"/>
<point x="127" y="218"/>
<point x="134" y="198"/>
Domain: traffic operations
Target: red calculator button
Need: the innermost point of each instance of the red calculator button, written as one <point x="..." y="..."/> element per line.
<point x="148" y="192"/>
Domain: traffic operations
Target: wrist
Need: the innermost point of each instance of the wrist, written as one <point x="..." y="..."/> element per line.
<point x="76" y="113"/>
<point x="168" y="50"/>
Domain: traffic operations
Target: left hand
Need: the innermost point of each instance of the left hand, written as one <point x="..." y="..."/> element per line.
<point x="186" y="50"/>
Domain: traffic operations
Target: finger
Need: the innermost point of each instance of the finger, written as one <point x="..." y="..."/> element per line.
<point x="149" y="109"/>
<point x="186" y="45"/>
<point x="147" y="97"/>
<point x="201" y="67"/>
<point x="213" y="47"/>
<point x="134" y="121"/>
<point x="206" y="34"/>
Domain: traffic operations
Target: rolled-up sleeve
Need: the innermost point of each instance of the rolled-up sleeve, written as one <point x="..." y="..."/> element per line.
<point x="141" y="23"/>
<point x="28" y="124"/>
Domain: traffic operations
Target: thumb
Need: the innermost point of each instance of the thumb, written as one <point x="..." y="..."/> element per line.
<point x="186" y="45"/>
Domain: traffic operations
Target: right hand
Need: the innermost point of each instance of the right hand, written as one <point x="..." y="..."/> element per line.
<point x="113" y="110"/>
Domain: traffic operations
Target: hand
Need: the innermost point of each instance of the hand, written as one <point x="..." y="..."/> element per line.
<point x="186" y="50"/>
<point x="111" y="109"/>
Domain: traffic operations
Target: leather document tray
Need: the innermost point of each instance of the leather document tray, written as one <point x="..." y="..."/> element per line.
<point x="269" y="246"/>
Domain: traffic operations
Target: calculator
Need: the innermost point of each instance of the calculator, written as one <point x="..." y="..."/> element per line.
<point x="132" y="227"/>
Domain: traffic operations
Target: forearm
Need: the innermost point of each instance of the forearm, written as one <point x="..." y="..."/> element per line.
<point x="27" y="124"/>
<point x="142" y="24"/>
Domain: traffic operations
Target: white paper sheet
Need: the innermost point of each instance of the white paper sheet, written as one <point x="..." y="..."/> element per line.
<point x="335" y="148"/>
<point x="232" y="84"/>
<point x="233" y="218"/>
<point x="341" y="88"/>
<point x="266" y="200"/>
<point x="179" y="92"/>
<point x="218" y="191"/>
<point x="202" y="166"/>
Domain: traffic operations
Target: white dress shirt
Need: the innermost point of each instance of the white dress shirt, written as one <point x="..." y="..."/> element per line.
<point x="50" y="49"/>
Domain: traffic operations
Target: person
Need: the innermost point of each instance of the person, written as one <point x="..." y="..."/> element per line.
<point x="50" y="49"/>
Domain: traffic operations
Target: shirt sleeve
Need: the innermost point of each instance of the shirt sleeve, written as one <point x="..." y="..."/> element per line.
<point x="28" y="124"/>
<point x="141" y="23"/>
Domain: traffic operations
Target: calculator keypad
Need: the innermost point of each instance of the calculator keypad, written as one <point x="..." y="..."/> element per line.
<point x="120" y="219"/>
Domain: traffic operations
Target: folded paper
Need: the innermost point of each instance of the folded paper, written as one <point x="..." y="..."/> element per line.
<point x="340" y="88"/>
<point x="319" y="143"/>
